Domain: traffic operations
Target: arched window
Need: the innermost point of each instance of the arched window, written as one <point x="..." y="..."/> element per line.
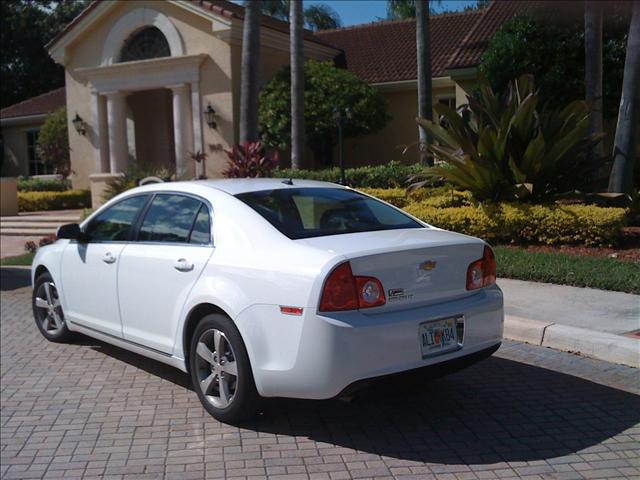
<point x="149" y="42"/>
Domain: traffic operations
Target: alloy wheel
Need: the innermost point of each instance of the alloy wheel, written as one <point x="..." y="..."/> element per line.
<point x="216" y="368"/>
<point x="48" y="308"/>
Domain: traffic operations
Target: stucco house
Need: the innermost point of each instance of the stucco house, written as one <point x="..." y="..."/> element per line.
<point x="142" y="76"/>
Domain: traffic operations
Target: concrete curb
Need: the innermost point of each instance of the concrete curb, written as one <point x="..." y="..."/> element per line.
<point x="590" y="343"/>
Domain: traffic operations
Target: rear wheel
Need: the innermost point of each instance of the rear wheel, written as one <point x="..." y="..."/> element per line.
<point x="47" y="310"/>
<point x="220" y="370"/>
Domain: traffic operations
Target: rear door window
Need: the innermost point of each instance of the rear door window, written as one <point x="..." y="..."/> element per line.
<point x="170" y="219"/>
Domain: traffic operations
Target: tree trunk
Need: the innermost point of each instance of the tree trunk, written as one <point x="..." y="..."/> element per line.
<point x="423" y="50"/>
<point x="249" y="72"/>
<point x="625" y="147"/>
<point x="593" y="69"/>
<point x="297" y="83"/>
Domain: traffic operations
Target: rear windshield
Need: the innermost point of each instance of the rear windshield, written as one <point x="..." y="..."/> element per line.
<point x="315" y="212"/>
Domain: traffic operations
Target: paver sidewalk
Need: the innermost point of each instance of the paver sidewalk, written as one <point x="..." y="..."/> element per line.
<point x="582" y="320"/>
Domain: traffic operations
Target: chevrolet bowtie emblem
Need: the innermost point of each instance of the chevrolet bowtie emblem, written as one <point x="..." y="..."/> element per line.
<point x="427" y="266"/>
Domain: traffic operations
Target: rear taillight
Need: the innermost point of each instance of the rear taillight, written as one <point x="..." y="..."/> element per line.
<point x="482" y="272"/>
<point x="344" y="291"/>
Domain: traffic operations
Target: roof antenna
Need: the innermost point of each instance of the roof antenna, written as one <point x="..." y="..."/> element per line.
<point x="288" y="181"/>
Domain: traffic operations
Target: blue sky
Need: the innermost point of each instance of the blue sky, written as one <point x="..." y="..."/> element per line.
<point x="353" y="12"/>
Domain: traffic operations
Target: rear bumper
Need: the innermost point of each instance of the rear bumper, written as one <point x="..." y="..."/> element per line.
<point x="319" y="356"/>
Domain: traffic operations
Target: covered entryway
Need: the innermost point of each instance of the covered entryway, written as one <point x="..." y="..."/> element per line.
<point x="145" y="97"/>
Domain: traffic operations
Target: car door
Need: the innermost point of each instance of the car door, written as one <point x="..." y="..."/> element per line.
<point x="89" y="269"/>
<point x="159" y="269"/>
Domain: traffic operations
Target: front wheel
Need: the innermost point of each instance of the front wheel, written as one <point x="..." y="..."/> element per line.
<point x="220" y="370"/>
<point x="47" y="310"/>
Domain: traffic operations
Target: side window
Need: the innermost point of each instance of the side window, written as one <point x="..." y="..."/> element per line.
<point x="169" y="219"/>
<point x="201" y="232"/>
<point x="114" y="224"/>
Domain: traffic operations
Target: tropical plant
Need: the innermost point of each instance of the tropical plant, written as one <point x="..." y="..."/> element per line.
<point x="325" y="88"/>
<point x="321" y="17"/>
<point x="316" y="17"/>
<point x="250" y="160"/>
<point x="53" y="142"/>
<point x="297" y="84"/>
<point x="398" y="9"/>
<point x="626" y="149"/>
<point x="249" y="72"/>
<point x="511" y="147"/>
<point x="131" y="177"/>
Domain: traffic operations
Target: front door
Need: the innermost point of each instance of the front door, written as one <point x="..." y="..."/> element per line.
<point x="159" y="269"/>
<point x="89" y="270"/>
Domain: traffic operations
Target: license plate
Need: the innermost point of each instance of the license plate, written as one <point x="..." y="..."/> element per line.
<point x="438" y="336"/>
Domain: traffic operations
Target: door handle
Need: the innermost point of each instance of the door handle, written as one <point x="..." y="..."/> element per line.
<point x="109" y="258"/>
<point x="183" y="265"/>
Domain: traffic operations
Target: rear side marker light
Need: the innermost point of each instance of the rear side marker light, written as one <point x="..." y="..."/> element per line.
<point x="482" y="272"/>
<point x="291" y="310"/>
<point x="344" y="291"/>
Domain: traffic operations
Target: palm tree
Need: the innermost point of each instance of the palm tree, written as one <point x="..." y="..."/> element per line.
<point x="423" y="52"/>
<point x="297" y="83"/>
<point x="321" y="17"/>
<point x="249" y="72"/>
<point x="593" y="68"/>
<point x="625" y="147"/>
<point x="398" y="9"/>
<point x="316" y="17"/>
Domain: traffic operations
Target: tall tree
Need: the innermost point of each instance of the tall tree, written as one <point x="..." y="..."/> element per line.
<point x="625" y="146"/>
<point x="423" y="52"/>
<point x="297" y="83"/>
<point x="27" y="26"/>
<point x="398" y="9"/>
<point x="249" y="72"/>
<point x="316" y="17"/>
<point x="321" y="17"/>
<point x="593" y="69"/>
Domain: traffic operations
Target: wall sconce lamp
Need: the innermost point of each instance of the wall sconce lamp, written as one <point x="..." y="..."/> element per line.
<point x="210" y="116"/>
<point x="79" y="124"/>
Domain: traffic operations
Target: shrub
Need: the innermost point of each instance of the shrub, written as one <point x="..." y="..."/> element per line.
<point x="510" y="147"/>
<point x="71" y="199"/>
<point x="516" y="223"/>
<point x="438" y="197"/>
<point x="394" y="174"/>
<point x="250" y="160"/>
<point x="132" y="175"/>
<point x="41" y="185"/>
<point x="53" y="142"/>
<point x="326" y="88"/>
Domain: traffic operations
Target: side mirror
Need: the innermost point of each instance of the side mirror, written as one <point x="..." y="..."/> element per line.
<point x="71" y="231"/>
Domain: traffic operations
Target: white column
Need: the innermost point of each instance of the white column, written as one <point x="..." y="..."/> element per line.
<point x="182" y="132"/>
<point x="117" y="120"/>
<point x="196" y="113"/>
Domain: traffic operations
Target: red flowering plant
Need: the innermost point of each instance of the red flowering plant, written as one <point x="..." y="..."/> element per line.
<point x="250" y="159"/>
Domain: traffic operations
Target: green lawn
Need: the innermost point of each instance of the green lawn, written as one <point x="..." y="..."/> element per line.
<point x="563" y="269"/>
<point x="20" y="260"/>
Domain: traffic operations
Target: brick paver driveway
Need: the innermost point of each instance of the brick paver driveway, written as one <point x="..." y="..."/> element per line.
<point x="91" y="410"/>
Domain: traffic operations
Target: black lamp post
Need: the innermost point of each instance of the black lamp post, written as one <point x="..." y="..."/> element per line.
<point x="79" y="124"/>
<point x="339" y="118"/>
<point x="210" y="116"/>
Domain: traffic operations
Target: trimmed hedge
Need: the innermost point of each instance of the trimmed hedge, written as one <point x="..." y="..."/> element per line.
<point x="71" y="199"/>
<point x="40" y="185"/>
<point x="393" y="174"/>
<point x="509" y="222"/>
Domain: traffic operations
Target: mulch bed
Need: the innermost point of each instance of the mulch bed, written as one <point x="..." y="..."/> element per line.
<point x="625" y="254"/>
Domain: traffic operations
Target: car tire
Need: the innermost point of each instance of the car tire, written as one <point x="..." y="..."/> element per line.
<point x="220" y="370"/>
<point x="47" y="310"/>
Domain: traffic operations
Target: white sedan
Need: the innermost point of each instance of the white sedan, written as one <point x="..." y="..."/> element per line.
<point x="269" y="288"/>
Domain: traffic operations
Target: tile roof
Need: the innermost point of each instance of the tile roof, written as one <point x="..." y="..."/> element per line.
<point x="42" y="104"/>
<point x="386" y="51"/>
